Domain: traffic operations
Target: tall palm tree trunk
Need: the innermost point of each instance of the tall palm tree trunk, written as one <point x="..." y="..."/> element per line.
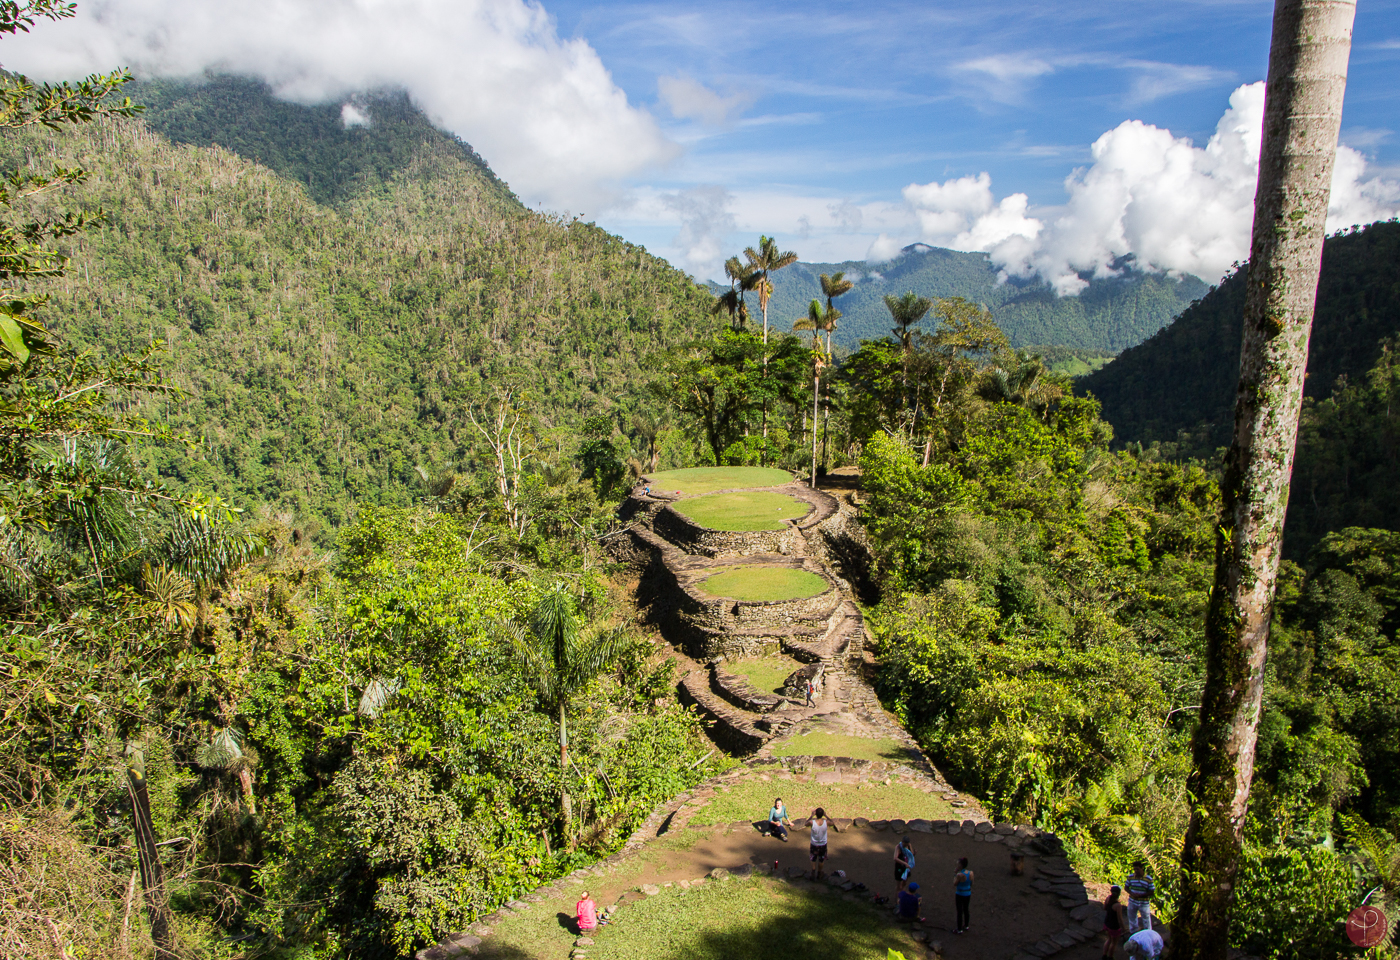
<point x="816" y="396"/>
<point x="1302" y="117"/>
<point x="566" y="809"/>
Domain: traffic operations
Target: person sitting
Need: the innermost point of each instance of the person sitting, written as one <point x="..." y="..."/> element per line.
<point x="587" y="912"/>
<point x="907" y="904"/>
<point x="778" y="820"/>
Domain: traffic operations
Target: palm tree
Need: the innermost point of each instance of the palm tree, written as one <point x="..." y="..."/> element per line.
<point x="818" y="319"/>
<point x="561" y="662"/>
<point x="833" y="286"/>
<point x="1302" y="118"/>
<point x="1026" y="385"/>
<point x="742" y="278"/>
<point x="763" y="262"/>
<point x="906" y="311"/>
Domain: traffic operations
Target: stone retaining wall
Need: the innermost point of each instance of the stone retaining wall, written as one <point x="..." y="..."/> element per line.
<point x="690" y="537"/>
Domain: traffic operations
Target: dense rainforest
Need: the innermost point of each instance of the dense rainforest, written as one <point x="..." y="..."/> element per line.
<point x="327" y="351"/>
<point x="1175" y="393"/>
<point x="277" y="594"/>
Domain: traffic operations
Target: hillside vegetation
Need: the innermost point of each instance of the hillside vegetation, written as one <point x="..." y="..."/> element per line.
<point x="1110" y="315"/>
<point x="1177" y="390"/>
<point x="329" y="354"/>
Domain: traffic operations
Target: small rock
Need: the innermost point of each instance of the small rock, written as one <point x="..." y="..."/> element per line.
<point x="1084" y="910"/>
<point x="984" y="827"/>
<point x="1005" y="829"/>
<point x="898" y="826"/>
<point x="1047" y="947"/>
<point x="584" y="942"/>
<point x="921" y="826"/>
<point x="880" y="825"/>
<point x="936" y="946"/>
<point x="1064" y="940"/>
<point x="1068" y="902"/>
<point x="718" y="873"/>
<point x="969" y="827"/>
<point x="860" y="822"/>
<point x="650" y="889"/>
<point x="685" y="884"/>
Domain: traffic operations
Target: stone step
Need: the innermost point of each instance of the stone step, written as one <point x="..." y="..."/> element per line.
<point x="733" y="729"/>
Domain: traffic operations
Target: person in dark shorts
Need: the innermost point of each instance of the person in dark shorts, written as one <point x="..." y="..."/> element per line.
<point x="1114" y="920"/>
<point x="962" y="896"/>
<point x="903" y="862"/>
<point x="819" y="824"/>
<point x="907" y="905"/>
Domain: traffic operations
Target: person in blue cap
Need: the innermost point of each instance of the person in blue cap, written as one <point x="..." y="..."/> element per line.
<point x="907" y="906"/>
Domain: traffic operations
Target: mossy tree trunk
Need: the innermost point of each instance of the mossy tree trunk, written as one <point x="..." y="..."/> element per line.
<point x="1302" y="118"/>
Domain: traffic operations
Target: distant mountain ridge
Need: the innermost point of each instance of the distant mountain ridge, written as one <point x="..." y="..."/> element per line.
<point x="1110" y="315"/>
<point x="1183" y="378"/>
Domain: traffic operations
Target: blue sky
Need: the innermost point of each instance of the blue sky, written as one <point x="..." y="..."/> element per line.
<point x="849" y="103"/>
<point x="1055" y="137"/>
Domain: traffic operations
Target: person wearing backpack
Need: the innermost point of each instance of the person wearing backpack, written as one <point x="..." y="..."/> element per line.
<point x="962" y="896"/>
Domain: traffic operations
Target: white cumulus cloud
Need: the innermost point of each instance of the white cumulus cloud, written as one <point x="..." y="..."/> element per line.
<point x="543" y="110"/>
<point x="1174" y="206"/>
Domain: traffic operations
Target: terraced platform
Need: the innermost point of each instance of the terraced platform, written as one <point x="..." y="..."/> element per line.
<point x="752" y="604"/>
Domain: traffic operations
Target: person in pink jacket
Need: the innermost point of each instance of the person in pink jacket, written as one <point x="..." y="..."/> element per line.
<point x="587" y="911"/>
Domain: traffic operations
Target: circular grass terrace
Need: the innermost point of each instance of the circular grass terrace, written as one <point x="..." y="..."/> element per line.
<point x="760" y="584"/>
<point x="697" y="481"/>
<point x="743" y="918"/>
<point x="745" y="510"/>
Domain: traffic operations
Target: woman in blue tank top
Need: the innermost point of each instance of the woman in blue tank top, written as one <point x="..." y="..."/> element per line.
<point x="962" y="894"/>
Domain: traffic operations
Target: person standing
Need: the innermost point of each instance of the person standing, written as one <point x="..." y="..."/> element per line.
<point x="1140" y="892"/>
<point x="1113" y="921"/>
<point x="811" y="690"/>
<point x="903" y="862"/>
<point x="819" y="825"/>
<point x="962" y="896"/>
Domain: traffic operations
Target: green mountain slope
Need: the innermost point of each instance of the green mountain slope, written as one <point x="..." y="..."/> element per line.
<point x="1110" y="314"/>
<point x="1178" y="389"/>
<point x="329" y="351"/>
<point x="1184" y="377"/>
<point x="310" y="144"/>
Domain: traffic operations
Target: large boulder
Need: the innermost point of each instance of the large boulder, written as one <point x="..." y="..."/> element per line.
<point x="795" y="686"/>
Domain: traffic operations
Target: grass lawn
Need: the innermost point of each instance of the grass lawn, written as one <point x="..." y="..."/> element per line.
<point x="752" y="798"/>
<point x="841" y="745"/>
<point x="695" y="481"/>
<point x="766" y="674"/>
<point x="764" y="583"/>
<point x="750" y="918"/>
<point x="752" y="510"/>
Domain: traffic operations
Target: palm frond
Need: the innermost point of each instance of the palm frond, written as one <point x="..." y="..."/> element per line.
<point x="222" y="752"/>
<point x="205" y="552"/>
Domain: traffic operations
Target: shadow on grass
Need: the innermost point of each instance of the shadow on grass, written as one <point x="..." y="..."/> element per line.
<point x="772" y="920"/>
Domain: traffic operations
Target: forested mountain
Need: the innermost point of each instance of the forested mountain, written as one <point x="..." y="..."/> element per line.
<point x="335" y="150"/>
<point x="330" y="352"/>
<point x="1109" y="315"/>
<point x="1178" y="388"/>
